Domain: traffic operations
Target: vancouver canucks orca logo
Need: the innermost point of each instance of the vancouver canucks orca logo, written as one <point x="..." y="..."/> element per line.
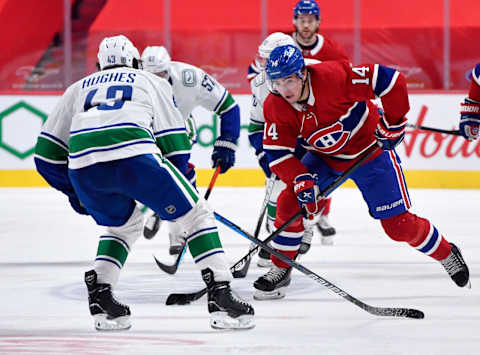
<point x="329" y="139"/>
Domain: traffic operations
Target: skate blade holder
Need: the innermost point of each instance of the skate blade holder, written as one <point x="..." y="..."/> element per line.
<point x="221" y="320"/>
<point x="103" y="323"/>
<point x="270" y="295"/>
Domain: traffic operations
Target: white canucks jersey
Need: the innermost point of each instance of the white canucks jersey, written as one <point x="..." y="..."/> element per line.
<point x="193" y="87"/>
<point x="113" y="114"/>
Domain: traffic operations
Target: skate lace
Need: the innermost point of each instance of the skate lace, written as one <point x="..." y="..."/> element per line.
<point x="238" y="299"/>
<point x="108" y="289"/>
<point x="275" y="274"/>
<point x="452" y="264"/>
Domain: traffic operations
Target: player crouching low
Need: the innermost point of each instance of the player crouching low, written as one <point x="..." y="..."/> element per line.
<point x="328" y="104"/>
<point x="98" y="147"/>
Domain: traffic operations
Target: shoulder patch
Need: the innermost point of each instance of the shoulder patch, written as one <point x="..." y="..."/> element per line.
<point x="189" y="77"/>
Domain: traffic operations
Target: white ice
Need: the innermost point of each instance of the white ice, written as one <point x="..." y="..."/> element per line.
<point x="46" y="248"/>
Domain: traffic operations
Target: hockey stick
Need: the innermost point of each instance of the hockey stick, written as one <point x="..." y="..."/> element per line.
<point x="438" y="130"/>
<point x="241" y="270"/>
<point x="186" y="298"/>
<point x="377" y="311"/>
<point x="172" y="269"/>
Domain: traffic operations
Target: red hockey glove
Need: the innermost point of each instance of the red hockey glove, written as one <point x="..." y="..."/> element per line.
<point x="470" y="119"/>
<point x="308" y="194"/>
<point x="390" y="135"/>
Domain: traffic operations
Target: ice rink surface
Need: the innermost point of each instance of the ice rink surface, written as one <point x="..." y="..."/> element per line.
<point x="46" y="248"/>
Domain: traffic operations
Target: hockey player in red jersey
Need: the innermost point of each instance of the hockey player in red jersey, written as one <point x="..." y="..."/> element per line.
<point x="470" y="112"/>
<point x="306" y="20"/>
<point x="328" y="104"/>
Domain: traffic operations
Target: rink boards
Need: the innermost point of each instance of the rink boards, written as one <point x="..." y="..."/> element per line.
<point x="430" y="160"/>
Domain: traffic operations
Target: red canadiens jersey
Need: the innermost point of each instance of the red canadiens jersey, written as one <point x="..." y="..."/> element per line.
<point x="325" y="49"/>
<point x="474" y="92"/>
<point x="337" y="121"/>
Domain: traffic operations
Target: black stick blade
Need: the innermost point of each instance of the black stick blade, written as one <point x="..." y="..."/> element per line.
<point x="184" y="298"/>
<point x="177" y="298"/>
<point x="242" y="269"/>
<point x="395" y="312"/>
<point x="415" y="313"/>
<point x="169" y="269"/>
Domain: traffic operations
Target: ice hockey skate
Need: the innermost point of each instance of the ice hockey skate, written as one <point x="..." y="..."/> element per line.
<point x="456" y="267"/>
<point x="227" y="310"/>
<point x="264" y="259"/>
<point x="306" y="241"/>
<point x="272" y="285"/>
<point x="326" y="229"/>
<point x="108" y="313"/>
<point x="152" y="225"/>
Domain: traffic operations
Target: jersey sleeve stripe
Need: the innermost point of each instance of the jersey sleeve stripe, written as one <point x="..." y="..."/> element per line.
<point x="171" y="143"/>
<point x="281" y="160"/>
<point x="50" y="150"/>
<point x="53" y="138"/>
<point x="227" y="105"/>
<point x="374" y="77"/>
<point x="219" y="103"/>
<point x="278" y="147"/>
<point x="385" y="80"/>
<point x="49" y="160"/>
<point x="168" y="131"/>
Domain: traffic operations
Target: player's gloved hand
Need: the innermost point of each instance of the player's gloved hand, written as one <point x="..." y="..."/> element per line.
<point x="77" y="205"/>
<point x="263" y="161"/>
<point x="470" y="119"/>
<point x="224" y="153"/>
<point x="191" y="174"/>
<point x="308" y="194"/>
<point x="389" y="135"/>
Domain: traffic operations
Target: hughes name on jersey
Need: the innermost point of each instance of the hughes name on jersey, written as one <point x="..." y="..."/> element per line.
<point x="338" y="119"/>
<point x="109" y="115"/>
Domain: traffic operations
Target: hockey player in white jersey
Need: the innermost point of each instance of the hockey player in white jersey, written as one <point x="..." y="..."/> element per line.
<point x="193" y="87"/>
<point x="260" y="91"/>
<point x="105" y="146"/>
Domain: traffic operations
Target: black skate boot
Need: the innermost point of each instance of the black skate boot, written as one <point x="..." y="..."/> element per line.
<point x="326" y="229"/>
<point x="106" y="311"/>
<point x="227" y="310"/>
<point x="264" y="259"/>
<point x="306" y="241"/>
<point x="456" y="267"/>
<point x="272" y="285"/>
<point x="152" y="225"/>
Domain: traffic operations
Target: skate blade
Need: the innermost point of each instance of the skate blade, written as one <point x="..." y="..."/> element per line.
<point x="328" y="240"/>
<point x="103" y="324"/>
<point x="269" y="295"/>
<point x="264" y="263"/>
<point x="221" y="320"/>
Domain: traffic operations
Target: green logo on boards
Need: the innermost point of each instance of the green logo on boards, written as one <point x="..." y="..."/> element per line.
<point x="7" y="130"/>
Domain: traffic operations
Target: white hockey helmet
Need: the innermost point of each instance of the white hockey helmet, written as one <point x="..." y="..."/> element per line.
<point x="273" y="41"/>
<point x="117" y="50"/>
<point x="156" y="59"/>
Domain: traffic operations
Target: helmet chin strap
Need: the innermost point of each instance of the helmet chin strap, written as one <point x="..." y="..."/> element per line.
<point x="304" y="84"/>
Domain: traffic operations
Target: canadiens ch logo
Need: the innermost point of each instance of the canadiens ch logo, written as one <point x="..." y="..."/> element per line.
<point x="330" y="139"/>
